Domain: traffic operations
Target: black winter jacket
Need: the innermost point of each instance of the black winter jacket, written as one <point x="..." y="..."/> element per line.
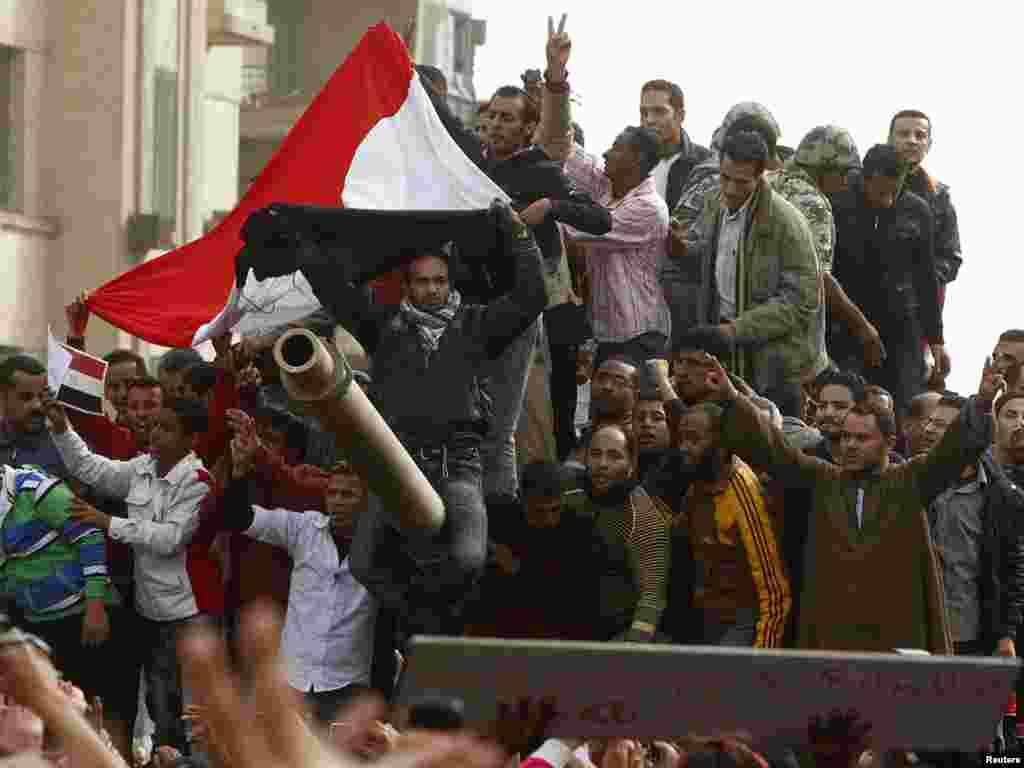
<point x="884" y="259"/>
<point x="691" y="155"/>
<point x="426" y="399"/>
<point x="1002" y="556"/>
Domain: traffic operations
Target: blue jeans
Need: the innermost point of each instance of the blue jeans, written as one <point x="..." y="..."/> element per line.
<point x="507" y="376"/>
<point x="429" y="575"/>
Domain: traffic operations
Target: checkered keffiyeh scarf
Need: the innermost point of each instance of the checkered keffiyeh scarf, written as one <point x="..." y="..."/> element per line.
<point x="431" y="324"/>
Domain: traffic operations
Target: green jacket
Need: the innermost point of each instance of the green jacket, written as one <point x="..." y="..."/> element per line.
<point x="50" y="564"/>
<point x="778" y="290"/>
<point x="873" y="585"/>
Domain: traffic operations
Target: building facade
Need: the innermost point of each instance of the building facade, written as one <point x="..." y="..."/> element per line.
<point x="129" y="126"/>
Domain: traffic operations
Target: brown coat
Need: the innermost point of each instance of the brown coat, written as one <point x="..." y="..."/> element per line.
<point x="877" y="588"/>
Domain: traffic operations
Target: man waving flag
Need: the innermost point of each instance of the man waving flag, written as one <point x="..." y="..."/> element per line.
<point x="371" y="142"/>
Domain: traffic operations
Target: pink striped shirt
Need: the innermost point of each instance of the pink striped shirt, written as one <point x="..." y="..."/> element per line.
<point x="626" y="297"/>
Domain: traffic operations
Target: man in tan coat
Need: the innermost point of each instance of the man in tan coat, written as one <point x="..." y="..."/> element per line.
<point x="872" y="582"/>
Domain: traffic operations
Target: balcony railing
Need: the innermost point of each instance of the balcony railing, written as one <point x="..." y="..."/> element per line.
<point x="239" y="23"/>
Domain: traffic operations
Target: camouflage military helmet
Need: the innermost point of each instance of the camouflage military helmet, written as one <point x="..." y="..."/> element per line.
<point x="828" y="147"/>
<point x="744" y="109"/>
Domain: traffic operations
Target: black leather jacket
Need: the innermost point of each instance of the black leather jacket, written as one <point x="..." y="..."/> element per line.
<point x="1001" y="570"/>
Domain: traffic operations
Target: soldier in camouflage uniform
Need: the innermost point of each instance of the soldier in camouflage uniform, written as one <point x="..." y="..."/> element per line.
<point x="821" y="166"/>
<point x="681" y="273"/>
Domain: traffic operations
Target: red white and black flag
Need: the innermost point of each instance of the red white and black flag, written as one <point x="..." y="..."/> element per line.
<point x="76" y="377"/>
<point x="370" y="164"/>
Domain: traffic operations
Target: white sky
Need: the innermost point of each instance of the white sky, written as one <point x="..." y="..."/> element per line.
<point x="811" y="63"/>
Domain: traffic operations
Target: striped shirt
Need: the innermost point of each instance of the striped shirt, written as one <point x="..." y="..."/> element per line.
<point x="626" y="297"/>
<point x="642" y="523"/>
<point x="739" y="532"/>
<point x="51" y="563"/>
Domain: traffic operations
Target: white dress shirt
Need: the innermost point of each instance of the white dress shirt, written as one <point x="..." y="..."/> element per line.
<point x="730" y="237"/>
<point x="328" y="630"/>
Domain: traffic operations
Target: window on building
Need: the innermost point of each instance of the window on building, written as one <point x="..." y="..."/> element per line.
<point x="160" y="114"/>
<point x="9" y="127"/>
<point x="165" y="145"/>
<point x="285" y="67"/>
<point x="462" y="44"/>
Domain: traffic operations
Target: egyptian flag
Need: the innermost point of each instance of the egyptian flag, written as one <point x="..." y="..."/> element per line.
<point x="369" y="174"/>
<point x="76" y="377"/>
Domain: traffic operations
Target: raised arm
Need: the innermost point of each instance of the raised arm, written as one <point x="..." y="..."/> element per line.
<point x="106" y="476"/>
<point x="567" y="205"/>
<point x="300" y="487"/>
<point x="634" y="223"/>
<point x="509" y="315"/>
<point x="103" y="435"/>
<point x="351" y="306"/>
<point x="747" y="433"/>
<point x="586" y="171"/>
<point x="556" y="113"/>
<point x="271" y="526"/>
<point x="468" y="141"/>
<point x="962" y="444"/>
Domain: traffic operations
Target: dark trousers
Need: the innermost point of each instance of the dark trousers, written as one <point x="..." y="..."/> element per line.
<point x="564" y="391"/>
<point x="902" y="372"/>
<point x="326" y="704"/>
<point x="428" y="580"/>
<point x="164" y="695"/>
<point x="110" y="671"/>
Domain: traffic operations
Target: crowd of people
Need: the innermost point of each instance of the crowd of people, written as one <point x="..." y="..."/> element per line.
<point x="768" y="457"/>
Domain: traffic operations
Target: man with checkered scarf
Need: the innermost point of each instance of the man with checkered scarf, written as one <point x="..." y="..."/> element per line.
<point x="428" y="354"/>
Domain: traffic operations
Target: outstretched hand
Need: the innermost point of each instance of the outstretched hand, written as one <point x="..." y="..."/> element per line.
<point x="992" y="383"/>
<point x="244" y="444"/>
<point x="558" y="49"/>
<point x="285" y="741"/>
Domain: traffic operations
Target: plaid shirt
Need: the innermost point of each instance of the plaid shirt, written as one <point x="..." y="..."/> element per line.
<point x="626" y="297"/>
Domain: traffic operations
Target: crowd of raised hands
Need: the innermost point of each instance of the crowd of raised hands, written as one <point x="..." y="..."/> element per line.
<point x="246" y="718"/>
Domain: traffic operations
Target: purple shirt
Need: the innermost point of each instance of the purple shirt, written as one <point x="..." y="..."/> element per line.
<point x="626" y="298"/>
